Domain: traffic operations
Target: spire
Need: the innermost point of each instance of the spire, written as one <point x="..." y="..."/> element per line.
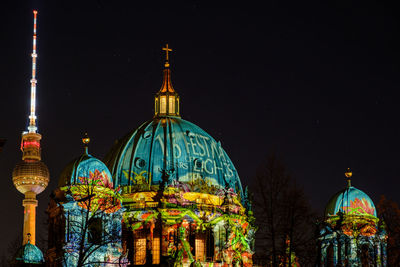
<point x="167" y="100"/>
<point x="32" y="117"/>
<point x="167" y="84"/>
<point x="348" y="175"/>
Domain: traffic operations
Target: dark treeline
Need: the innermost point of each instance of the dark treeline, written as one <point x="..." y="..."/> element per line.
<point x="286" y="222"/>
<point x="389" y="213"/>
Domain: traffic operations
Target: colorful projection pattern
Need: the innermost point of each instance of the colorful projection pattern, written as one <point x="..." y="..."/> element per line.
<point x="359" y="207"/>
<point x="89" y="199"/>
<point x="84" y="166"/>
<point x="352" y="234"/>
<point x="351" y="201"/>
<point x="196" y="232"/>
<point x="187" y="153"/>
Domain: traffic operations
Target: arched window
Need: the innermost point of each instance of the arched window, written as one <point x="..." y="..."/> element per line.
<point x="95" y="230"/>
<point x="200" y="246"/>
<point x="127" y="241"/>
<point x="365" y="256"/>
<point x="139" y="247"/>
<point x="192" y="239"/>
<point x="210" y="244"/>
<point x="330" y="257"/>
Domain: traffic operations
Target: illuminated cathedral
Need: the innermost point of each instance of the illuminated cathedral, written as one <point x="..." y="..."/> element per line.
<point x="352" y="235"/>
<point x="166" y="193"/>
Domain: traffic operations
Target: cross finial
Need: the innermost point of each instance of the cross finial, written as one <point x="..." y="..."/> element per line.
<point x="167" y="50"/>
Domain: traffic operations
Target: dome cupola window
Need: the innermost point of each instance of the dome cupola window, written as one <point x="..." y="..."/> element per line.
<point x="167" y="100"/>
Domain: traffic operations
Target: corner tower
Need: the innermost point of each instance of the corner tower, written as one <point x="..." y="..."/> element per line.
<point x="31" y="175"/>
<point x="352" y="234"/>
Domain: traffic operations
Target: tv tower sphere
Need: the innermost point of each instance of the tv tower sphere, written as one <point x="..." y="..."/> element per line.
<point x="30" y="176"/>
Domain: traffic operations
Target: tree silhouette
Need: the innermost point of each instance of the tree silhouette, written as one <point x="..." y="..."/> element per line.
<point x="89" y="223"/>
<point x="389" y="214"/>
<point x="284" y="217"/>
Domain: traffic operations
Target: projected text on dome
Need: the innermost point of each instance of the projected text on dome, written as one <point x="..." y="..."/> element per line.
<point x="190" y="156"/>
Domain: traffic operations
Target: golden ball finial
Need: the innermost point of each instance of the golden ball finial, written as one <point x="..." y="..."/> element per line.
<point x="348" y="173"/>
<point x="85" y="139"/>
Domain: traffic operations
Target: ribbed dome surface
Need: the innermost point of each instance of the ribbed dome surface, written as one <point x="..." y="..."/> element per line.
<point x="85" y="167"/>
<point x="31" y="176"/>
<point x="173" y="145"/>
<point x="351" y="201"/>
<point x="29" y="253"/>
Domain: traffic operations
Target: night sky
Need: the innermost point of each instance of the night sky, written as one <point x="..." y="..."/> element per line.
<point x="318" y="83"/>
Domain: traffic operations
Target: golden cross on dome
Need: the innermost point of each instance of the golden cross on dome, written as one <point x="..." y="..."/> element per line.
<point x="167" y="50"/>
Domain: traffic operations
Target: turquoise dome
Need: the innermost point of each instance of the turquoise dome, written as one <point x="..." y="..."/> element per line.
<point x="351" y="201"/>
<point x="29" y="253"/>
<point x="84" y="167"/>
<point x="175" y="146"/>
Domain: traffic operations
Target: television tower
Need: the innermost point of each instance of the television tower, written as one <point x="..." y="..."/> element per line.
<point x="31" y="175"/>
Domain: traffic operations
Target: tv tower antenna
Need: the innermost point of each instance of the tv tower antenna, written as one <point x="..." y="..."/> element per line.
<point x="32" y="117"/>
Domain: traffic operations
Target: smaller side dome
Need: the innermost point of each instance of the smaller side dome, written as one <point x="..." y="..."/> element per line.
<point x="85" y="167"/>
<point x="30" y="254"/>
<point x="351" y="201"/>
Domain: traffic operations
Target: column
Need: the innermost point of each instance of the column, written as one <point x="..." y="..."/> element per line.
<point x="353" y="255"/>
<point x="378" y="254"/>
<point x="383" y="253"/>
<point x="335" y="253"/>
<point x="342" y="252"/>
<point x="324" y="246"/>
<point x="30" y="203"/>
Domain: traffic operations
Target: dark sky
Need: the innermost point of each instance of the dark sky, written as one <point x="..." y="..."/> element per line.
<point x="316" y="82"/>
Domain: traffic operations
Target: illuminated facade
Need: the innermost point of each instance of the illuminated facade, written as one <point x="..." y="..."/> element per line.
<point x="31" y="175"/>
<point x="352" y="235"/>
<point x="181" y="198"/>
<point x="85" y="216"/>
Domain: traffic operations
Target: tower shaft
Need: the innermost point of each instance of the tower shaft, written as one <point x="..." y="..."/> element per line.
<point x="29" y="231"/>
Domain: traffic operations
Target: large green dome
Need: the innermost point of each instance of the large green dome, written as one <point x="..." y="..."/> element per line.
<point x="173" y="145"/>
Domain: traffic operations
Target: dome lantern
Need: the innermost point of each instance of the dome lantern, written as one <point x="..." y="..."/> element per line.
<point x="86" y="141"/>
<point x="348" y="175"/>
<point x="167" y="99"/>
